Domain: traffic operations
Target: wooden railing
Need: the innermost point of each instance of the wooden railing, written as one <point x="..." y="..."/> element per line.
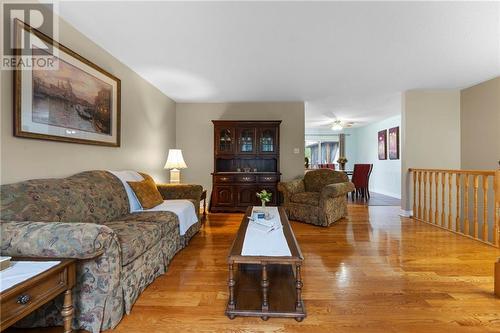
<point x="497" y="208"/>
<point x="466" y="202"/>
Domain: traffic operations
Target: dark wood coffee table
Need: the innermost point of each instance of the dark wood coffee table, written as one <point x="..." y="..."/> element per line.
<point x="265" y="286"/>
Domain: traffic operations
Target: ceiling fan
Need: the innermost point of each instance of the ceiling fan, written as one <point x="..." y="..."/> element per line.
<point x="339" y="125"/>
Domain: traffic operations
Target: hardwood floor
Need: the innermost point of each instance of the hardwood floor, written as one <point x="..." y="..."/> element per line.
<point x="376" y="199"/>
<point x="374" y="272"/>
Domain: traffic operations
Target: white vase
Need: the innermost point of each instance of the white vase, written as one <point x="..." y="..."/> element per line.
<point x="263" y="203"/>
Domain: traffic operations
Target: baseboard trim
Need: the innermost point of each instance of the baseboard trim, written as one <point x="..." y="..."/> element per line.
<point x="392" y="195"/>
<point x="406" y="213"/>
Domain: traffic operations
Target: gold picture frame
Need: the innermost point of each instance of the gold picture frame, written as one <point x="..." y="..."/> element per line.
<point x="79" y="102"/>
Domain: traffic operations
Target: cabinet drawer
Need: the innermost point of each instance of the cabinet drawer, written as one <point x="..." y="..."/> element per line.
<point x="245" y="178"/>
<point x="31" y="298"/>
<point x="224" y="179"/>
<point x="268" y="179"/>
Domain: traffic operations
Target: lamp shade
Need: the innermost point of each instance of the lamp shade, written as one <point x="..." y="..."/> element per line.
<point x="175" y="160"/>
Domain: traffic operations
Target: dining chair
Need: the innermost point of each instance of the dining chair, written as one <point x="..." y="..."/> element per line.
<point x="361" y="179"/>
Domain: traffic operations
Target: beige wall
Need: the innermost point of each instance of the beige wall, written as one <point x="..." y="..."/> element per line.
<point x="480" y="125"/>
<point x="430" y="134"/>
<point x="148" y="127"/>
<point x="195" y="134"/>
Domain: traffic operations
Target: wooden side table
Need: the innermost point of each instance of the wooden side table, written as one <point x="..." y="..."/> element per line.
<point x="23" y="298"/>
<point x="204" y="198"/>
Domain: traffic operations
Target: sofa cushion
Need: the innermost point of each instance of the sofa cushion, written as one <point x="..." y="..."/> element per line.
<point x="306" y="198"/>
<point x="90" y="196"/>
<point x="167" y="220"/>
<point x="135" y="237"/>
<point x="146" y="192"/>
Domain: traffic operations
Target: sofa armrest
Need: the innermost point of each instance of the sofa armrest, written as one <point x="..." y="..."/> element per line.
<point x="180" y="191"/>
<point x="55" y="239"/>
<point x="291" y="187"/>
<point x="336" y="190"/>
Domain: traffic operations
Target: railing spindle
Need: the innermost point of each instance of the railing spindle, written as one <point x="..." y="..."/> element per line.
<point x="496" y="216"/>
<point x="436" y="213"/>
<point x="449" y="200"/>
<point x="475" y="219"/>
<point x="415" y="193"/>
<point x="466" y="205"/>
<point x="485" y="208"/>
<point x="443" y="220"/>
<point x="420" y="195"/>
<point x="457" y="218"/>
<point x="426" y="185"/>
<point x="431" y="208"/>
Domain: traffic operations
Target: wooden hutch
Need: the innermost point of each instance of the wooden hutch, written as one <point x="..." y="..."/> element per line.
<point x="246" y="161"/>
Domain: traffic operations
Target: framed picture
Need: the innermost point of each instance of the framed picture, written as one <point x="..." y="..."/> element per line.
<point x="394" y="143"/>
<point x="382" y="145"/>
<point x="75" y="101"/>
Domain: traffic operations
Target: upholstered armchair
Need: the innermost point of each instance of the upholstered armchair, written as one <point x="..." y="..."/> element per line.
<point x="319" y="198"/>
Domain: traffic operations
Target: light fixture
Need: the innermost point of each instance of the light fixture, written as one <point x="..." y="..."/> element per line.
<point x="175" y="161"/>
<point x="337" y="125"/>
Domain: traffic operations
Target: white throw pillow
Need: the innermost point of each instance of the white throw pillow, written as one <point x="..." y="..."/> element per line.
<point x="130" y="176"/>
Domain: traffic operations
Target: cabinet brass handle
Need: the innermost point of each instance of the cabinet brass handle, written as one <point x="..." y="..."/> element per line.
<point x="23" y="299"/>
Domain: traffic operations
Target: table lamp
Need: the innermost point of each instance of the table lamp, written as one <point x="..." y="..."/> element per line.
<point x="175" y="161"/>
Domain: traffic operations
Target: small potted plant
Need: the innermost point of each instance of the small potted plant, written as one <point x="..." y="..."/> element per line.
<point x="342" y="162"/>
<point x="264" y="197"/>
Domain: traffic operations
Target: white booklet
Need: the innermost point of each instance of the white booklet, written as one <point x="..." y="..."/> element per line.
<point x="263" y="224"/>
<point x="264" y="227"/>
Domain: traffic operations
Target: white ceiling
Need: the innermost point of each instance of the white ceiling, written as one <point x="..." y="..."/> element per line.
<point x="347" y="60"/>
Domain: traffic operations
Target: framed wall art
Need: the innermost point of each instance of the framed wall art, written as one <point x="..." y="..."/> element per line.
<point x="394" y="143"/>
<point x="382" y="145"/>
<point x="73" y="101"/>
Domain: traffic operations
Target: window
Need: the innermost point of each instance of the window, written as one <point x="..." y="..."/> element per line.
<point x="321" y="152"/>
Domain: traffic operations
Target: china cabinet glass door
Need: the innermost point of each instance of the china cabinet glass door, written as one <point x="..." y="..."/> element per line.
<point x="267" y="142"/>
<point x="225" y="140"/>
<point x="246" y="140"/>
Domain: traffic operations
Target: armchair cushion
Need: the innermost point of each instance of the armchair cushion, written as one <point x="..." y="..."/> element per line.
<point x="306" y="198"/>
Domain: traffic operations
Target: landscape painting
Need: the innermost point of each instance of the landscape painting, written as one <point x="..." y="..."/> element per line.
<point x="71" y="98"/>
<point x="382" y="145"/>
<point x="74" y="101"/>
<point x="394" y="143"/>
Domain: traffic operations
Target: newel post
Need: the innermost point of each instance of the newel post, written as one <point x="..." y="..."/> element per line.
<point x="496" y="223"/>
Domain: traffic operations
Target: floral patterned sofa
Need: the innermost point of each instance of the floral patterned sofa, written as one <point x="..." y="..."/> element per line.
<point x="319" y="198"/>
<point x="86" y="216"/>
